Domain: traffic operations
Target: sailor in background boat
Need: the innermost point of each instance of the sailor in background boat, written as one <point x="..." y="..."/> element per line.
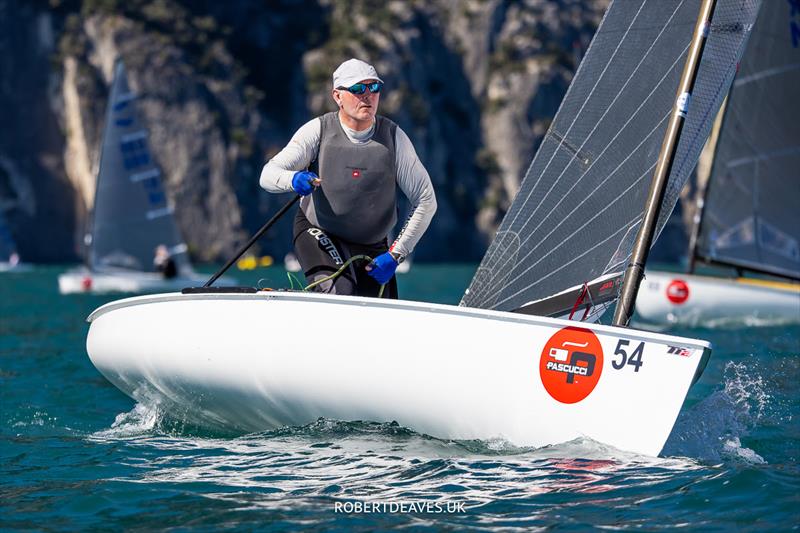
<point x="164" y="263"/>
<point x="348" y="165"/>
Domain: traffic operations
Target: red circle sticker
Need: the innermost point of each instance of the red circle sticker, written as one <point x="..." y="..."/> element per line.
<point x="677" y="291"/>
<point x="571" y="364"/>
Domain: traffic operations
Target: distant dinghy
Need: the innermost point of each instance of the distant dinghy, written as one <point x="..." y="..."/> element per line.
<point x="132" y="215"/>
<point x="489" y="368"/>
<point x="9" y="257"/>
<point x="749" y="217"/>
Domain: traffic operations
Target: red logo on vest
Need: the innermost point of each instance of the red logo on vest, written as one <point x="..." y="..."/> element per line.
<point x="571" y="364"/>
<point x="677" y="291"/>
<point x="356" y="173"/>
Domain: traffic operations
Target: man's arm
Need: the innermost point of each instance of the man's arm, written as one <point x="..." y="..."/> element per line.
<point x="415" y="183"/>
<point x="277" y="174"/>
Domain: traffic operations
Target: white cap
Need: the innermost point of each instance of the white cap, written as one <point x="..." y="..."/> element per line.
<point x="353" y="71"/>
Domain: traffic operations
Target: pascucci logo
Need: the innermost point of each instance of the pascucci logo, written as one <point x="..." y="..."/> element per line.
<point x="571" y="364"/>
<point x="572" y="368"/>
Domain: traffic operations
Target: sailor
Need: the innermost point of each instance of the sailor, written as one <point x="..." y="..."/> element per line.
<point x="347" y="165"/>
<point x="164" y="263"/>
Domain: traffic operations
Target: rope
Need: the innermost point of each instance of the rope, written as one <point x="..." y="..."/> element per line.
<point x="292" y="280"/>
<point x="342" y="269"/>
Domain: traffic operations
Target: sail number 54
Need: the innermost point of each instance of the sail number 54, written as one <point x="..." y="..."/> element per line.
<point x="633" y="358"/>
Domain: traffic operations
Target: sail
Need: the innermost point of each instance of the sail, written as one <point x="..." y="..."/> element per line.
<point x="751" y="217"/>
<point x="131" y="213"/>
<point x="575" y="218"/>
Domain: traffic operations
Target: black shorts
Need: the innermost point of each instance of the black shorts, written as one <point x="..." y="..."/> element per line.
<point x="321" y="254"/>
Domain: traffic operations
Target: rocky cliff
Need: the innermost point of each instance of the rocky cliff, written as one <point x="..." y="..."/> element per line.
<point x="475" y="84"/>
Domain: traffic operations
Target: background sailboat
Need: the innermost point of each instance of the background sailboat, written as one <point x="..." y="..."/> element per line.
<point x="132" y="216"/>
<point x="9" y="258"/>
<point x="748" y="218"/>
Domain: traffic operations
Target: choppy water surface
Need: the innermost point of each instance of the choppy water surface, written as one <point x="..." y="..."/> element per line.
<point x="77" y="454"/>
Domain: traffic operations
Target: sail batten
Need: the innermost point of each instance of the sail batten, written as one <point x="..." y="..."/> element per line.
<point x="581" y="202"/>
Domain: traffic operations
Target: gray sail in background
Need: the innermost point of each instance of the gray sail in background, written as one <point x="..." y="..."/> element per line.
<point x="131" y="213"/>
<point x="576" y="215"/>
<point x="751" y="217"/>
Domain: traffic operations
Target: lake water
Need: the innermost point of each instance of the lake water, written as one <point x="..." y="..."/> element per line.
<point x="78" y="454"/>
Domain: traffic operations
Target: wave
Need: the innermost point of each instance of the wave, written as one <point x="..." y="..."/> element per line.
<point x="712" y="429"/>
<point x="359" y="460"/>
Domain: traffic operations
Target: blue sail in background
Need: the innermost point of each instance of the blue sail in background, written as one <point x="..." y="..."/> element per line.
<point x="132" y="215"/>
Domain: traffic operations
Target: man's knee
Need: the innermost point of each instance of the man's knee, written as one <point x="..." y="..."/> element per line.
<point x="340" y="285"/>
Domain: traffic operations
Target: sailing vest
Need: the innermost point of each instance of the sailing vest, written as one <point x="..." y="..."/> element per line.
<point x="357" y="198"/>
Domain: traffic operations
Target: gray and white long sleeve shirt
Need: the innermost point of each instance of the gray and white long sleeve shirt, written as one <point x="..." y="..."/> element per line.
<point x="412" y="178"/>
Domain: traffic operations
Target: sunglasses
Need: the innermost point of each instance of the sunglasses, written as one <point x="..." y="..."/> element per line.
<point x="360" y="88"/>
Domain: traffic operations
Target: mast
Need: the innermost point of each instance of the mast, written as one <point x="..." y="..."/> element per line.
<point x="635" y="271"/>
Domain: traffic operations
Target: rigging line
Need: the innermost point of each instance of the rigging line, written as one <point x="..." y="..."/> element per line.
<point x="360" y="257"/>
<point x="540" y="241"/>
<point x="608" y="145"/>
<point x="585" y="102"/>
<point x="597" y="123"/>
<point x="566" y="239"/>
<point x="584" y="289"/>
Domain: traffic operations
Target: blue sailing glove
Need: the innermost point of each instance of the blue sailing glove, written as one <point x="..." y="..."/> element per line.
<point x="302" y="182"/>
<point x="382" y="268"/>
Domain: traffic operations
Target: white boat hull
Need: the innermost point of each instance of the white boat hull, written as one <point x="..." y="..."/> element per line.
<point x="85" y="281"/>
<point x="252" y="362"/>
<point x="671" y="298"/>
<point x="15" y="267"/>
